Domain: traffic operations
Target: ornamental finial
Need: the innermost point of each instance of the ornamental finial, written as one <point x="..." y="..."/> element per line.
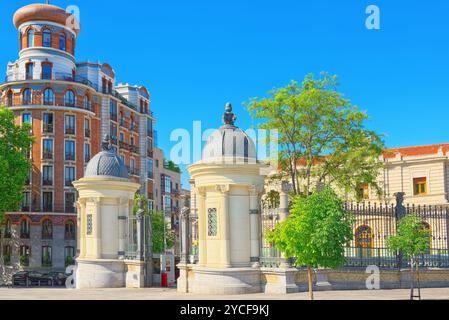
<point x="229" y="117"/>
<point x="106" y="143"/>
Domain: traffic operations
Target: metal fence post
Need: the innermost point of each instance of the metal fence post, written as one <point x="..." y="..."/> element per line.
<point x="400" y="212"/>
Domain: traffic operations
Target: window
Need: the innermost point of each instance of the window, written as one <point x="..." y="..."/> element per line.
<point x="49" y="97"/>
<point x="122" y="137"/>
<point x="69" y="150"/>
<point x="113" y="110"/>
<point x="132" y="141"/>
<point x="69" y="99"/>
<point x="30" y="38"/>
<point x="26" y="96"/>
<point x="47" y="201"/>
<point x="69" y="124"/>
<point x="47" y="229"/>
<point x="46" y="38"/>
<point x="70" y="232"/>
<point x="86" y="152"/>
<point x="48" y="124"/>
<point x="69" y="203"/>
<point x="364" y="241"/>
<point x="69" y="254"/>
<point x="69" y="176"/>
<point x="47" y="175"/>
<point x="46" y="257"/>
<point x="363" y="191"/>
<point x="177" y="187"/>
<point x="26" y="118"/>
<point x="150" y="169"/>
<point x="8" y="230"/>
<point x="46" y="71"/>
<point x="86" y="103"/>
<point x="10" y="100"/>
<point x="62" y="42"/>
<point x="25" y="229"/>
<point x="420" y="186"/>
<point x="132" y="166"/>
<point x="26" y="201"/>
<point x="47" y="150"/>
<point x="149" y="128"/>
<point x="113" y="129"/>
<point x="29" y="70"/>
<point x="86" y="128"/>
<point x="212" y="227"/>
<point x="24" y="252"/>
<point x="167" y="184"/>
<point x="7" y="255"/>
<point x="167" y="203"/>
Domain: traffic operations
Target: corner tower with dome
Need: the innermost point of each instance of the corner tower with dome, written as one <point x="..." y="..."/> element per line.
<point x="227" y="185"/>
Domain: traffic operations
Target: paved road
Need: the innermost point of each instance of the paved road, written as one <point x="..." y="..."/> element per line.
<point x="171" y="294"/>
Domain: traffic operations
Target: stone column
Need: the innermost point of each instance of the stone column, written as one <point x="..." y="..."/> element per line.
<point x="140" y="231"/>
<point x="225" y="225"/>
<point x="97" y="233"/>
<point x="201" y="199"/>
<point x="80" y="228"/>
<point x="122" y="219"/>
<point x="185" y="235"/>
<point x="254" y="225"/>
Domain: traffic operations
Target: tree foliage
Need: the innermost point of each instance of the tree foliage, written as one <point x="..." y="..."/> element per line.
<point x="157" y="223"/>
<point x="15" y="143"/>
<point x="412" y="238"/>
<point x="316" y="232"/>
<point x="322" y="136"/>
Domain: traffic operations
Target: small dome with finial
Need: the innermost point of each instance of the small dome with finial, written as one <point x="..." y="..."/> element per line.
<point x="229" y="143"/>
<point x="106" y="163"/>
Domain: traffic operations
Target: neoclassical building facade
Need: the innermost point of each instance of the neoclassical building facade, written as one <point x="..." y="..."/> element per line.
<point x="70" y="106"/>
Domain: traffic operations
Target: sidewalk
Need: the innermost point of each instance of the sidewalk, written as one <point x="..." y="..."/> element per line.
<point x="171" y="294"/>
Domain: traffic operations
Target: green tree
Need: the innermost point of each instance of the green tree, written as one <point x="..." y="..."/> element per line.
<point x="158" y="228"/>
<point x="322" y="136"/>
<point x="315" y="233"/>
<point x="412" y="239"/>
<point x="15" y="143"/>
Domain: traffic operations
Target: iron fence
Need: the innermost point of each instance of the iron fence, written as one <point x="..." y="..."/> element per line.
<point x="373" y="225"/>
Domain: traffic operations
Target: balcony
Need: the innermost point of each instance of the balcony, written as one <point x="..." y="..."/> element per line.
<point x="70" y="236"/>
<point x="70" y="131"/>
<point x="47" y="155"/>
<point x="69" y="157"/>
<point x="25" y="208"/>
<point x="47" y="182"/>
<point x="134" y="149"/>
<point x="57" y="76"/>
<point x="47" y="236"/>
<point x="114" y="117"/>
<point x="48" y="128"/>
<point x="150" y="153"/>
<point x="8" y="234"/>
<point x="133" y="171"/>
<point x="24" y="234"/>
<point x="69" y="208"/>
<point x="68" y="183"/>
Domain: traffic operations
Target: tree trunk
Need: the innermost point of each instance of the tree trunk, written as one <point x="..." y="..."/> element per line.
<point x="412" y="280"/>
<point x="310" y="278"/>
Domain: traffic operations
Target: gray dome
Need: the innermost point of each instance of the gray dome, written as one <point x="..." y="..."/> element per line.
<point x="229" y="143"/>
<point x="106" y="163"/>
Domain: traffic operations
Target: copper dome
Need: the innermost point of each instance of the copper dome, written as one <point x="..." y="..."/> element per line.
<point x="44" y="12"/>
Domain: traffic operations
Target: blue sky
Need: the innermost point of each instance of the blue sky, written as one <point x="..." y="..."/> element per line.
<point x="196" y="55"/>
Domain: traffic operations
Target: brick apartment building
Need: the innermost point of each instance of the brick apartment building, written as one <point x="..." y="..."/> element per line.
<point x="71" y="105"/>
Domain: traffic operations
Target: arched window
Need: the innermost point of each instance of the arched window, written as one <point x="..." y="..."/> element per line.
<point x="30" y="38"/>
<point x="46" y="38"/>
<point x="86" y="102"/>
<point x="49" y="97"/>
<point x="70" y="231"/>
<point x="364" y="241"/>
<point x="47" y="229"/>
<point x="69" y="99"/>
<point x="25" y="229"/>
<point x="9" y="99"/>
<point x="26" y="97"/>
<point x="62" y="42"/>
